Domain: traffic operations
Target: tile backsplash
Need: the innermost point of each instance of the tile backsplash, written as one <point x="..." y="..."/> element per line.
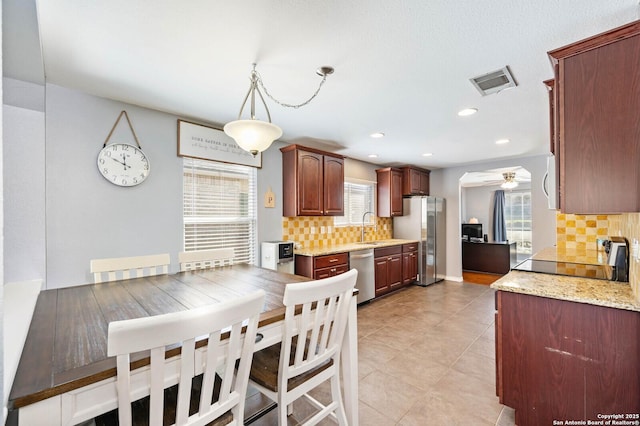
<point x="580" y="233"/>
<point x="319" y="231"/>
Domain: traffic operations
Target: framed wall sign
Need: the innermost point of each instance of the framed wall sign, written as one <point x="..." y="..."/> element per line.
<point x="209" y="143"/>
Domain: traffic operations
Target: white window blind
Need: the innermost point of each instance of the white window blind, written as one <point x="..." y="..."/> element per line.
<point x="219" y="208"/>
<point x="358" y="199"/>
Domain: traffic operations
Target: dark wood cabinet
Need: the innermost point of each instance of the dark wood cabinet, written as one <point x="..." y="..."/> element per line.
<point x="415" y="181"/>
<point x="564" y="360"/>
<point x="494" y="258"/>
<point x="596" y="102"/>
<point x="318" y="267"/>
<point x="388" y="269"/>
<point x="389" y="190"/>
<point x="313" y="182"/>
<point x="409" y="263"/>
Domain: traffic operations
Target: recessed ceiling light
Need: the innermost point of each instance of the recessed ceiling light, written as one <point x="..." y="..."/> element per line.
<point x="373" y="155"/>
<point x="427" y="154"/>
<point x="467" y="111"/>
<point x="502" y="141"/>
<point x="377" y="135"/>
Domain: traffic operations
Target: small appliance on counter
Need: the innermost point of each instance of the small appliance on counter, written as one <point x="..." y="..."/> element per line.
<point x="278" y="256"/>
<point x="618" y="258"/>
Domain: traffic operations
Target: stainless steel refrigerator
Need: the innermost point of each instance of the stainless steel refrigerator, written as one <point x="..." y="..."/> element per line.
<point x="423" y="219"/>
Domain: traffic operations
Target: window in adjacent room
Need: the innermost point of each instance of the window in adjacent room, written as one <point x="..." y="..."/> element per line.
<point x="219" y="208"/>
<point x="518" y="219"/>
<point x="358" y="199"/>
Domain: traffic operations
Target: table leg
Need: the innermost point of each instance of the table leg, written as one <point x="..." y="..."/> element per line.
<point x="350" y="365"/>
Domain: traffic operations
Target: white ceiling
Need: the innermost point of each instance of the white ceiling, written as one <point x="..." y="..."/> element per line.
<point x="401" y="67"/>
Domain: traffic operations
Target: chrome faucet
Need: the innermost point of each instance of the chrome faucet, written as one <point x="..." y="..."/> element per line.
<point x="362" y="231"/>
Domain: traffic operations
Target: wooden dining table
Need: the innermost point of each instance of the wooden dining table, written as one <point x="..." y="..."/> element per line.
<point x="65" y="376"/>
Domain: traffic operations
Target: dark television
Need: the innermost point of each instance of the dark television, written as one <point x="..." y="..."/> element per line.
<point x="471" y="230"/>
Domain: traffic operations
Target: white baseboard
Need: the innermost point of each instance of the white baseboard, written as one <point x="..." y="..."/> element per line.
<point x="457" y="279"/>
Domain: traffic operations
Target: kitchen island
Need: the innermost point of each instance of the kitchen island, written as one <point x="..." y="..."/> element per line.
<point x="567" y="348"/>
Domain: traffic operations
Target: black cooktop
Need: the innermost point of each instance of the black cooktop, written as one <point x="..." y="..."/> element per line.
<point x="600" y="272"/>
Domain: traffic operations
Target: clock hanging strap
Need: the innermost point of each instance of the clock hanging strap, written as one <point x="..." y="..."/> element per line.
<point x="123" y="112"/>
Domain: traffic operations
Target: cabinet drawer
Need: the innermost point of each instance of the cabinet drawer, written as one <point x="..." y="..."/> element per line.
<point x="331" y="260"/>
<point x="387" y="251"/>
<point x="330" y="272"/>
<point x="406" y="248"/>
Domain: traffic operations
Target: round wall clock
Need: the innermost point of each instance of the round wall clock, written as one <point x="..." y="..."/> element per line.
<point x="123" y="164"/>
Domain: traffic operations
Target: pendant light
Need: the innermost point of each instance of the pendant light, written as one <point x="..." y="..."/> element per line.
<point x="255" y="135"/>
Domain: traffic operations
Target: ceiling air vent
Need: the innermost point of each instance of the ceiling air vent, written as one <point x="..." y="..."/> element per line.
<point x="494" y="82"/>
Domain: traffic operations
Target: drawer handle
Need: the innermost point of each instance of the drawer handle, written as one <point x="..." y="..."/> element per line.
<point x="333" y="269"/>
<point x="333" y="260"/>
<point x="259" y="337"/>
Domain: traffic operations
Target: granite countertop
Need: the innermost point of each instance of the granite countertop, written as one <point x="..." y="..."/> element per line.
<point x="611" y="294"/>
<point x="342" y="248"/>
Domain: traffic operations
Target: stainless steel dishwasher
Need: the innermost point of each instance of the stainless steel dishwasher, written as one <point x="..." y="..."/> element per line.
<point x="362" y="261"/>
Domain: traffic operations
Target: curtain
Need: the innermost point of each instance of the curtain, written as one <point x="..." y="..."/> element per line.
<point x="499" y="224"/>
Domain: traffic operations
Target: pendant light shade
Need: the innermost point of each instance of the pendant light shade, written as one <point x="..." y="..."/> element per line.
<point x="253" y="135"/>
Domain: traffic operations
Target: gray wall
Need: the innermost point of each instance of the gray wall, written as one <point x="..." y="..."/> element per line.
<point x="446" y="183"/>
<point x="67" y="214"/>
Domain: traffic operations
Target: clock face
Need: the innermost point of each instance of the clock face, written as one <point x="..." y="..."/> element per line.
<point x="123" y="164"/>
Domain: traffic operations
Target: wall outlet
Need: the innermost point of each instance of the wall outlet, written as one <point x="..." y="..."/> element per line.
<point x="634" y="249"/>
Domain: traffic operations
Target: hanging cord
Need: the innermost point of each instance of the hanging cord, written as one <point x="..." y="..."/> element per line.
<point x="324" y="78"/>
<point x="130" y="127"/>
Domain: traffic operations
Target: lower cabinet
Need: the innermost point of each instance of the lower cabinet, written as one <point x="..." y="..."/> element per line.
<point x="409" y="263"/>
<point x="388" y="269"/>
<point x="559" y="360"/>
<point x="319" y="267"/>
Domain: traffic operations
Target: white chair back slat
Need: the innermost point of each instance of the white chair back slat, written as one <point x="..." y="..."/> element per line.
<point x="318" y="331"/>
<point x="157" y="332"/>
<point x="121" y="267"/>
<point x="205" y="259"/>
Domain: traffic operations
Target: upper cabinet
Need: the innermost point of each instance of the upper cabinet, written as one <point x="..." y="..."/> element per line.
<point x="389" y="192"/>
<point x="596" y="100"/>
<point x="415" y="181"/>
<point x="313" y="182"/>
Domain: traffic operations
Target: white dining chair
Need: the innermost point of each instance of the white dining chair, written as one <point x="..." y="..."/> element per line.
<point x="201" y="404"/>
<point x="309" y="354"/>
<point x="122" y="268"/>
<point x="205" y="259"/>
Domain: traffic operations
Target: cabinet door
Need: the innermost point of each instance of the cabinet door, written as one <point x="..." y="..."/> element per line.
<point x="333" y="186"/>
<point x="599" y="100"/>
<point x="395" y="271"/>
<point x="381" y="275"/>
<point x="396" y="193"/>
<point x="409" y="268"/>
<point x="424" y="183"/>
<point x="310" y="184"/>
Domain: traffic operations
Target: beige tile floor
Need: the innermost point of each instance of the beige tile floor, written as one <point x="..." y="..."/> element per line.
<point x="426" y="357"/>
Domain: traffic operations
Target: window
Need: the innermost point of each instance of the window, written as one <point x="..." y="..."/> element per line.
<point x="219" y="207"/>
<point x="358" y="199"/>
<point x="518" y="219"/>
